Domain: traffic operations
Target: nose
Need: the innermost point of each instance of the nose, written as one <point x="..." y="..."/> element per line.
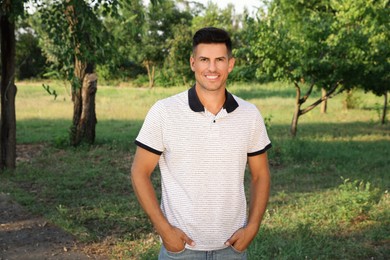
<point x="212" y="66"/>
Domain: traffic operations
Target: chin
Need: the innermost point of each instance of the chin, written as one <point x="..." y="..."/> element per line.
<point x="211" y="87"/>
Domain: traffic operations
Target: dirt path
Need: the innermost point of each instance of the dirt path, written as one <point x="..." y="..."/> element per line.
<point x="27" y="237"/>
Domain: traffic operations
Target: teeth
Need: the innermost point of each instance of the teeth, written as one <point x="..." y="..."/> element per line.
<point x="211" y="77"/>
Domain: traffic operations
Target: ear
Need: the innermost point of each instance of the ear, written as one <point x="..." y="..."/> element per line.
<point x="231" y="64"/>
<point x="192" y="61"/>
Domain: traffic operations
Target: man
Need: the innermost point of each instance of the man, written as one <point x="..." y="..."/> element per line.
<point x="203" y="139"/>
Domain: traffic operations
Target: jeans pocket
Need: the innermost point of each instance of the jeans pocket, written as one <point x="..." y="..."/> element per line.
<point x="237" y="251"/>
<point x="168" y="255"/>
<point x="175" y="253"/>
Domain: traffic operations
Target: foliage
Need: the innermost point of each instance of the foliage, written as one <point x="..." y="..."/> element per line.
<point x="162" y="47"/>
<point x="77" y="41"/>
<point x="351" y="101"/>
<point x="127" y="32"/>
<point x="50" y="91"/>
<point x="321" y="42"/>
<point x="214" y="16"/>
<point x="72" y="29"/>
<point x="246" y="60"/>
<point x="30" y="62"/>
<point x="160" y="37"/>
<point x="291" y="42"/>
<point x="325" y="42"/>
<point x="356" y="198"/>
<point x="13" y="9"/>
<point x="176" y="69"/>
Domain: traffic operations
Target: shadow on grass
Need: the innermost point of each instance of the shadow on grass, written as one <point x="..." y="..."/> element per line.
<point x="57" y="131"/>
<point x="323" y="153"/>
<point x="87" y="191"/>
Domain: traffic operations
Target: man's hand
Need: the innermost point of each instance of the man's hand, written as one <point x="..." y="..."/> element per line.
<point x="241" y="239"/>
<point x="175" y="240"/>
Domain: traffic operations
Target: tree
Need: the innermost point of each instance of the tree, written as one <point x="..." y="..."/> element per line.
<point x="76" y="41"/>
<point x="30" y="62"/>
<point x="159" y="38"/>
<point x="364" y="33"/>
<point x="246" y="60"/>
<point x="127" y="31"/>
<point x="176" y="69"/>
<point x="291" y="46"/>
<point x="214" y="16"/>
<point x="158" y="33"/>
<point x="371" y="22"/>
<point x="9" y="11"/>
<point x="313" y="44"/>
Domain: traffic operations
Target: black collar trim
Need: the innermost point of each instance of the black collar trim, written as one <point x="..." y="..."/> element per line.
<point x="230" y="103"/>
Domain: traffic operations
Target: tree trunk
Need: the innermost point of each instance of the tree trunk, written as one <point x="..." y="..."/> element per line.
<point x="8" y="93"/>
<point x="349" y="100"/>
<point x="84" y="89"/>
<point x="151" y="72"/>
<point x="324" y="103"/>
<point x="297" y="112"/>
<point x="384" y="112"/>
<point x="294" y="123"/>
<point x="300" y="100"/>
<point x="151" y="85"/>
<point x="83" y="96"/>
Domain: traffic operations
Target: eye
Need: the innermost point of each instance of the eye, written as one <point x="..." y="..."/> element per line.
<point x="203" y="59"/>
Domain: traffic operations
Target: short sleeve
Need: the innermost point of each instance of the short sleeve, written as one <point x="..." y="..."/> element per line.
<point x="150" y="136"/>
<point x="259" y="142"/>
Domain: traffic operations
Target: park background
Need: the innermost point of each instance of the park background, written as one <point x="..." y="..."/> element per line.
<point x="324" y="64"/>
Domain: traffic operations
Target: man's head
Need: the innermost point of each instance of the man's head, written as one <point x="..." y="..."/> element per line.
<point x="211" y="59"/>
<point x="212" y="35"/>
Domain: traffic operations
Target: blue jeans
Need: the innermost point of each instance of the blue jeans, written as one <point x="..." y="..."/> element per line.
<point x="228" y="253"/>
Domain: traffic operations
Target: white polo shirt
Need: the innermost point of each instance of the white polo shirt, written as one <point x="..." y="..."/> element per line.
<point x="202" y="163"/>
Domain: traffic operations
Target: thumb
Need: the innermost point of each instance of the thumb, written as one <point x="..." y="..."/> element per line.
<point x="187" y="240"/>
<point x="232" y="240"/>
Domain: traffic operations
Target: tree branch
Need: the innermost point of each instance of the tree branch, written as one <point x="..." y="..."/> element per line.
<point x="307" y="95"/>
<point x="298" y="92"/>
<point x="327" y="96"/>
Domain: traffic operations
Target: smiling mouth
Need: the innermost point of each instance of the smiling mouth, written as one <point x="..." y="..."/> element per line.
<point x="212" y="77"/>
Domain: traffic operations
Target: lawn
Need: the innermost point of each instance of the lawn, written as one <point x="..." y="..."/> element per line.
<point x="329" y="197"/>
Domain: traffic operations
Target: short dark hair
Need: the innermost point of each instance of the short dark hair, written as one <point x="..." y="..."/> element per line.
<point x="212" y="35"/>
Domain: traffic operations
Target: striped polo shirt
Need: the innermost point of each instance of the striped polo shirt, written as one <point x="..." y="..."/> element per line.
<point x="202" y="163"/>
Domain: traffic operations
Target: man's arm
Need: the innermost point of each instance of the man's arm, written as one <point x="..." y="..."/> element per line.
<point x="259" y="195"/>
<point x="143" y="166"/>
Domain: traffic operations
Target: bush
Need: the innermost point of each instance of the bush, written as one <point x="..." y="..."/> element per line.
<point x="355" y="199"/>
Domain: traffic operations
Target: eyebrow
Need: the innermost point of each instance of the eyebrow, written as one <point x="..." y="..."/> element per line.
<point x="203" y="57"/>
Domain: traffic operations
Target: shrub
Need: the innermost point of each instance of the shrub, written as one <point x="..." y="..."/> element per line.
<point x="355" y="198"/>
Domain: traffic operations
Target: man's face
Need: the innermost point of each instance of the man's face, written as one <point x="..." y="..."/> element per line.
<point x="211" y="65"/>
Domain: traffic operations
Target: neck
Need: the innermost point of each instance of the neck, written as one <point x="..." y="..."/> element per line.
<point x="213" y="101"/>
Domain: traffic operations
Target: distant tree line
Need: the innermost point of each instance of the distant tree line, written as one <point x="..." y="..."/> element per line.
<point x="322" y="42"/>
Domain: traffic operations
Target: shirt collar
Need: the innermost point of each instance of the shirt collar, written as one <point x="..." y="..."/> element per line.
<point x="230" y="103"/>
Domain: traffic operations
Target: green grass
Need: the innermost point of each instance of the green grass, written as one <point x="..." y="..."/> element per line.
<point x="329" y="197"/>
